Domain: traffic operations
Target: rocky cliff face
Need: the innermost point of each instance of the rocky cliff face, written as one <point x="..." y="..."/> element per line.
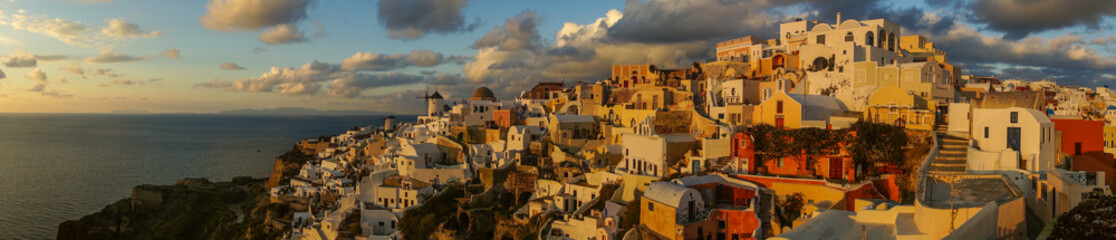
<point x="194" y="209"/>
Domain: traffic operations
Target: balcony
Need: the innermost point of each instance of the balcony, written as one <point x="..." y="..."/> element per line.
<point x="1087" y="179"/>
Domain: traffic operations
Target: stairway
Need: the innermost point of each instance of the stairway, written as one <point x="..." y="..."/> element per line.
<point x="951" y="155"/>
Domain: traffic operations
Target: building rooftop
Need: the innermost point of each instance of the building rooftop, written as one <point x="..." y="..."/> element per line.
<point x="666" y="193"/>
<point x="1023" y="99"/>
<point x="839" y="224"/>
<point x="968" y="190"/>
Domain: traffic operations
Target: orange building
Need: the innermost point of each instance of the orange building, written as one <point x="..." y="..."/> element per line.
<point x="1080" y="136"/>
<point x="505" y="118"/>
<point x="737" y="49"/>
<point x="733" y="203"/>
<point x="1092" y="162"/>
<point x="743" y="153"/>
<point x="668" y="207"/>
<point x="542" y="91"/>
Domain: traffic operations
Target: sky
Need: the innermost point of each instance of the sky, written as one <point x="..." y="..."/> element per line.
<point x="101" y="56"/>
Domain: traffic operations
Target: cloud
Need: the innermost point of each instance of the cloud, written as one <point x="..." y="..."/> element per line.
<point x="171" y="53"/>
<point x="258" y="50"/>
<point x="62" y="80"/>
<point x="124" y="82"/>
<point x="1066" y="59"/>
<point x="40" y="78"/>
<point x="321" y="33"/>
<point x="1021" y="18"/>
<point x="108" y="56"/>
<point x="380" y="62"/>
<point x="283" y="33"/>
<point x="56" y="94"/>
<point x="232" y="15"/>
<point x="352" y="85"/>
<point x="311" y="78"/>
<point x="518" y="33"/>
<point x="662" y="21"/>
<point x="230" y="66"/>
<point x="2" y="75"/>
<point x="102" y="72"/>
<point x="51" y="58"/>
<point x="73" y="68"/>
<point x="9" y="41"/>
<point x="412" y="19"/>
<point x="118" y="28"/>
<point x="77" y="33"/>
<point x="20" y="59"/>
<point x="425" y="58"/>
<point x="512" y="56"/>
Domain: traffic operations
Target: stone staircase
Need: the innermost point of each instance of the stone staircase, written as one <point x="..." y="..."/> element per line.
<point x="951" y="155"/>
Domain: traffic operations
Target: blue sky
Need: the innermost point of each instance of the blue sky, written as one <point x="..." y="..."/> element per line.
<point x="458" y="45"/>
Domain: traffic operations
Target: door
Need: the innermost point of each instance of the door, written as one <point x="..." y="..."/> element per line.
<point x="1077" y="148"/>
<point x="779" y="122"/>
<point x="943" y="112"/>
<point x="836" y="168"/>
<point x="695" y="166"/>
<point x="692" y="211"/>
<point x="1013" y="140"/>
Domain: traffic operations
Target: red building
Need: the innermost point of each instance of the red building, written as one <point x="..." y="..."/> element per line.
<point x="837" y="166"/>
<point x="543" y="89"/>
<point x="1080" y="136"/>
<point x="505" y="118"/>
<point x="1092" y="162"/>
<point x="732" y="203"/>
<point x="743" y="153"/>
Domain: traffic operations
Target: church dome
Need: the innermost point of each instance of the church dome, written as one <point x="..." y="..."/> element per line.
<point x="483" y="93"/>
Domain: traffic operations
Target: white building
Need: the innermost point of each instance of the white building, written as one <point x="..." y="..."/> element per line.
<point x="1011" y="138"/>
<point x="520" y="137"/>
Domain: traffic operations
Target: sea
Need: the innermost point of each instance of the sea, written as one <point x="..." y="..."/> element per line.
<point x="58" y="167"/>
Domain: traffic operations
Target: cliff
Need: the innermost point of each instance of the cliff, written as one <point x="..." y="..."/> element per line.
<point x="195" y="208"/>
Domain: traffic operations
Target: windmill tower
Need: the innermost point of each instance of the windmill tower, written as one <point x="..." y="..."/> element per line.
<point x="433" y="103"/>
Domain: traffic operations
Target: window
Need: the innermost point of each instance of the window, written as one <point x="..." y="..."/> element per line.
<point x="849" y="37"/>
<point x="721" y="224"/>
<point x="985" y="132"/>
<point x="780" y="162"/>
<point x="1014" y="117"/>
<point x="650" y="206"/>
<point x="821" y="39"/>
<point x="779" y="107"/>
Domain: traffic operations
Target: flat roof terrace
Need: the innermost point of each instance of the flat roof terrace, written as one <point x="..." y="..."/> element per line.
<point x="968" y="190"/>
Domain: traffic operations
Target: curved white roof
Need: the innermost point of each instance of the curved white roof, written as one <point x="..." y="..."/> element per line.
<point x="668" y="193"/>
<point x="713" y="178"/>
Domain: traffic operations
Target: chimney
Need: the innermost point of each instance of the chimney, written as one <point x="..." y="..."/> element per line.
<point x="838" y="18"/>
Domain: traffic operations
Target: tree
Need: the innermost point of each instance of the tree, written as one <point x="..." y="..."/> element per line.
<point x="771" y="141"/>
<point x="790" y="208"/>
<point x="1091" y="219"/>
<point x="877" y="143"/>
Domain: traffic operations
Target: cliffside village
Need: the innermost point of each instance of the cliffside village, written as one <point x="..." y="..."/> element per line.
<point x="701" y="152"/>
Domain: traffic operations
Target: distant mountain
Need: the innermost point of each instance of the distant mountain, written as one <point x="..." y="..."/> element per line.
<point x="294" y="111"/>
<point x="129" y="111"/>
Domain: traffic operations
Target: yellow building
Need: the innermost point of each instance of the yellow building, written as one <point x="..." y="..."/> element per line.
<point x="922" y="50"/>
<point x="893" y="105"/>
<point x="797" y="110"/>
<point x="924" y="79"/>
<point x="1110" y="139"/>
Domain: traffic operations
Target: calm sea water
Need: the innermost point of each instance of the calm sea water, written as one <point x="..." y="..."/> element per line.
<point x="57" y="167"/>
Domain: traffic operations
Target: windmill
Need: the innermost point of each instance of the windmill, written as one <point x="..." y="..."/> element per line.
<point x="437" y="101"/>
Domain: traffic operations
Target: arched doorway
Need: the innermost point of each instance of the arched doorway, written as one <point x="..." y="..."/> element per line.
<point x="778" y="61"/>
